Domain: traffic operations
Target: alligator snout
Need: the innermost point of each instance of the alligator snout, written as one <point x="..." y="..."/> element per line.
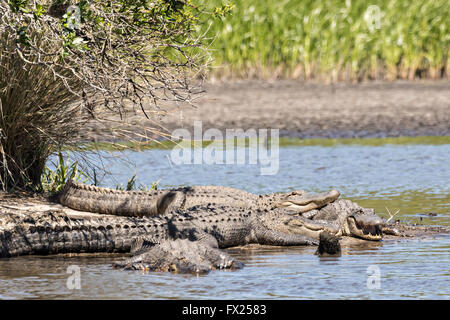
<point x="310" y="228"/>
<point x="303" y="202"/>
<point x="367" y="227"/>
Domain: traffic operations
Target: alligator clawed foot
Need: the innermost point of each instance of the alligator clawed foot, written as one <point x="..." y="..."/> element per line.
<point x="329" y="245"/>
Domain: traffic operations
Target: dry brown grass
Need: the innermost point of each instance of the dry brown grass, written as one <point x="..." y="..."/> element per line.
<point x="37" y="115"/>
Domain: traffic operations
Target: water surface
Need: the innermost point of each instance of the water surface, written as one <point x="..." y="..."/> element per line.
<point x="413" y="178"/>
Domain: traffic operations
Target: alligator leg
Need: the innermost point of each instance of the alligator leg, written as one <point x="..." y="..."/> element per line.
<point x="329" y="245"/>
<point x="181" y="256"/>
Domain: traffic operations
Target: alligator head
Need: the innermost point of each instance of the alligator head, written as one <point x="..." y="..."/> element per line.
<point x="300" y="201"/>
<point x="365" y="226"/>
<point x="341" y="218"/>
<point x="352" y="219"/>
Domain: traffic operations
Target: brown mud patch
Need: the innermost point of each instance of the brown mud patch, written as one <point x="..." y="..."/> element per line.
<point x="373" y="109"/>
<point x="324" y="111"/>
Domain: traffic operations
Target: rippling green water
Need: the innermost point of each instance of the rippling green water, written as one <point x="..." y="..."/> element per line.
<point x="413" y="178"/>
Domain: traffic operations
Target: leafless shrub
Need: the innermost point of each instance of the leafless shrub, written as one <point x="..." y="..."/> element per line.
<point x="64" y="66"/>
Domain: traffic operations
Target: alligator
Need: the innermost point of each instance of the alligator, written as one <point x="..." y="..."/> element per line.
<point x="182" y="229"/>
<point x="335" y="214"/>
<point x="151" y="203"/>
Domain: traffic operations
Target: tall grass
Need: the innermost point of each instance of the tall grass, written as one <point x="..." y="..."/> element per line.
<point x="37" y="115"/>
<point x="332" y="39"/>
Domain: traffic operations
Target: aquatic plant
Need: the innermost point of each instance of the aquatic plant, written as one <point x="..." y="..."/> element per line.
<point x="131" y="185"/>
<point x="53" y="180"/>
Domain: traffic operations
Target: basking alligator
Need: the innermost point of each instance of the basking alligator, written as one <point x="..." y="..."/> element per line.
<point x="150" y="203"/>
<point x="181" y="229"/>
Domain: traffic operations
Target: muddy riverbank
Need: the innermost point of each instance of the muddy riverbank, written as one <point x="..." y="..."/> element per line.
<point x="322" y="111"/>
<point x="375" y="109"/>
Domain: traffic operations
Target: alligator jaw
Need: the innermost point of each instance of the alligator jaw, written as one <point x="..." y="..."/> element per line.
<point x="368" y="227"/>
<point x="307" y="227"/>
<point x="302" y="203"/>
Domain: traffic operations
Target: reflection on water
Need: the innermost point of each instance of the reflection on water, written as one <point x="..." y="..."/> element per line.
<point x="414" y="179"/>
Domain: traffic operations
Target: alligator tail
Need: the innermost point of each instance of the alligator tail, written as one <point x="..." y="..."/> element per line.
<point x="55" y="232"/>
<point x="109" y="201"/>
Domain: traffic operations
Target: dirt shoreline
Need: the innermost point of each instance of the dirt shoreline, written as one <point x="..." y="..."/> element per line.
<point x="306" y="110"/>
<point x="324" y="111"/>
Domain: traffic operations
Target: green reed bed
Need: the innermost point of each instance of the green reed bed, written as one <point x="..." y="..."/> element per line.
<point x="332" y="40"/>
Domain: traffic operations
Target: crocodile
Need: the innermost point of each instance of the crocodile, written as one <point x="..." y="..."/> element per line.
<point x="185" y="238"/>
<point x="151" y="203"/>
